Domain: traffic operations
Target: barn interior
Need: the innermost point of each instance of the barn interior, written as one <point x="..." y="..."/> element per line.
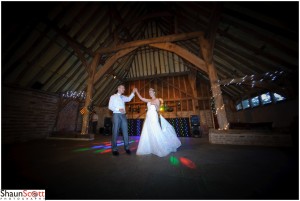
<point x="226" y="73"/>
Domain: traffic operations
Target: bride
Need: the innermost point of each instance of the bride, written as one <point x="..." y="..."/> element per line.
<point x="156" y="138"/>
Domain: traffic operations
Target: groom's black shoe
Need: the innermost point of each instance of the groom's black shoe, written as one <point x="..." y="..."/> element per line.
<point x="115" y="153"/>
<point x="128" y="151"/>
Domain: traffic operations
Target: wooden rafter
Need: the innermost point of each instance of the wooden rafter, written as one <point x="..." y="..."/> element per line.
<point x="76" y="46"/>
<point x="199" y="63"/>
<point x="229" y="63"/>
<point x="263" y="36"/>
<point x="252" y="62"/>
<point x="258" y="51"/>
<point x="116" y="15"/>
<point x="110" y="62"/>
<point x="137" y="43"/>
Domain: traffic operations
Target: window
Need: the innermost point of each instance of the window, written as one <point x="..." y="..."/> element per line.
<point x="255" y="101"/>
<point x="263" y="99"/>
<point x="266" y="98"/>
<point x="239" y="107"/>
<point x="278" y="97"/>
<point x="245" y="103"/>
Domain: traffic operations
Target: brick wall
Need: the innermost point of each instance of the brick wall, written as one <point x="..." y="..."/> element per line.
<point x="241" y="137"/>
<point x="281" y="114"/>
<point x="27" y="114"/>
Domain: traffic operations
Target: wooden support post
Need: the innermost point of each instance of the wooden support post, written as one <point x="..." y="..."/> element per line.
<point x="89" y="94"/>
<point x="192" y="80"/>
<point x="215" y="87"/>
<point x="217" y="94"/>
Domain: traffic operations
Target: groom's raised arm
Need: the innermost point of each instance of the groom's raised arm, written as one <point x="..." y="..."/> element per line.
<point x="128" y="98"/>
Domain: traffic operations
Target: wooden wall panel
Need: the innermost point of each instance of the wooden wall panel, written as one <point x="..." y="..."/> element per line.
<point x="176" y="91"/>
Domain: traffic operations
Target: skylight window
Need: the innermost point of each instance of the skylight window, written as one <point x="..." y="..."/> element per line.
<point x="266" y="98"/>
<point x="246" y="103"/>
<point x="255" y="101"/>
<point x="279" y="97"/>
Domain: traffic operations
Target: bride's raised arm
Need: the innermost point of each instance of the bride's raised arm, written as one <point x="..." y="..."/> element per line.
<point x="142" y="99"/>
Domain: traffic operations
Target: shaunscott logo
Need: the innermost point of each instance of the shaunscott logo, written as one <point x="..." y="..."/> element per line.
<point x="22" y="195"/>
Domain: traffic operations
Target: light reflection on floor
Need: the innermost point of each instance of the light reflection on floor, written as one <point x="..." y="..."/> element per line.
<point x="105" y="147"/>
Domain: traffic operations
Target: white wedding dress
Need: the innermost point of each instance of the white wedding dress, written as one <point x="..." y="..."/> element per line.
<point x="156" y="139"/>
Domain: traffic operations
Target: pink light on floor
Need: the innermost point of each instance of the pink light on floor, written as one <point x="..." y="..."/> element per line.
<point x="187" y="162"/>
<point x="134" y="148"/>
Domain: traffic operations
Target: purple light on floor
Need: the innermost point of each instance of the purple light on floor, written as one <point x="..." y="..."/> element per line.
<point x="97" y="147"/>
<point x="104" y="147"/>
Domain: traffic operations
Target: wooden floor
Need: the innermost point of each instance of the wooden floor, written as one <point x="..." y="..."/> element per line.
<point x="199" y="170"/>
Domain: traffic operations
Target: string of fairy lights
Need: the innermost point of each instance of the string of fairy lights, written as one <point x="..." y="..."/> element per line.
<point x="79" y="95"/>
<point x="253" y="79"/>
<point x="271" y="76"/>
<point x="181" y="127"/>
<point x="135" y="127"/>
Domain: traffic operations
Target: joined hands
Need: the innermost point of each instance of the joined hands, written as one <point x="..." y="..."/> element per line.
<point x="134" y="90"/>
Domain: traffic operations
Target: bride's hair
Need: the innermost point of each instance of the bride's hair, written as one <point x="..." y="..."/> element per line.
<point x="160" y="99"/>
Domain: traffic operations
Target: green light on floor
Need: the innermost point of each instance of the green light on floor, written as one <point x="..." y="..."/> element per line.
<point x="100" y="150"/>
<point x="82" y="149"/>
<point x="174" y="160"/>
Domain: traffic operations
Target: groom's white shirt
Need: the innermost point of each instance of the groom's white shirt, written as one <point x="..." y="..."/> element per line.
<point x="117" y="101"/>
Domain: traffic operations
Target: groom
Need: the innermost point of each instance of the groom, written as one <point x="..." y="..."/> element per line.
<point x="117" y="106"/>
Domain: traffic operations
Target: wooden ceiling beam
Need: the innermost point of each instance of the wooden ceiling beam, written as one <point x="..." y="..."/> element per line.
<point x="157" y="75"/>
<point x="137" y="43"/>
<point x="256" y="50"/>
<point x="76" y="46"/>
<point x="231" y="92"/>
<point x="240" y="64"/>
<point x="111" y="61"/>
<point x="56" y="72"/>
<point x="185" y="54"/>
<point x="69" y="38"/>
<point x="98" y="95"/>
<point x="241" y="55"/>
<point x="116" y="15"/>
<point x="265" y="35"/>
<point x="147" y="17"/>
<point x="243" y="10"/>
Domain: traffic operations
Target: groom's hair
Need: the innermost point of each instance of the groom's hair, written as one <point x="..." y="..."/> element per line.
<point x="121" y="85"/>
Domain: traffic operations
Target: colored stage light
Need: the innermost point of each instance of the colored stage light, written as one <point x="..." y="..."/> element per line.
<point x="188" y="163"/>
<point x="106" y="151"/>
<point x="97" y="147"/>
<point x="103" y="148"/>
<point x="174" y="161"/>
<point x="82" y="149"/>
<point x="99" y="151"/>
